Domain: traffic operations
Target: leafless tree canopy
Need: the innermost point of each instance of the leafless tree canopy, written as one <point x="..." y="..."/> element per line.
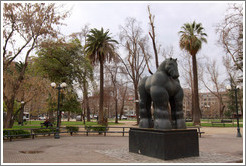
<point x="133" y="41"/>
<point x="231" y="34"/>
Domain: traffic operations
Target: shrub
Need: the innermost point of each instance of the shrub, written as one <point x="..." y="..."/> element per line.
<point x="17" y="133"/>
<point x="99" y="129"/>
<point x="73" y="129"/>
<point x="43" y="131"/>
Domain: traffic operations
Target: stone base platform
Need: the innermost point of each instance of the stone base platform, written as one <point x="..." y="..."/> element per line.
<point x="164" y="144"/>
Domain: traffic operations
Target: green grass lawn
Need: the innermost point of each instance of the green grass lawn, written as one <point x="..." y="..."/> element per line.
<point x="36" y="123"/>
<point x="203" y="124"/>
<point x="218" y="120"/>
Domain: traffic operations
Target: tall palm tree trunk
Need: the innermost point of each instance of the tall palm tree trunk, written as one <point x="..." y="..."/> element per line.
<point x="101" y="113"/>
<point x="196" y="112"/>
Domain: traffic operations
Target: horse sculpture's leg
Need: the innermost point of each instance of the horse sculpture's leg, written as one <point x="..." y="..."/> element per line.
<point x="173" y="112"/>
<point x="178" y="114"/>
<point x="145" y="107"/>
<point x="160" y="99"/>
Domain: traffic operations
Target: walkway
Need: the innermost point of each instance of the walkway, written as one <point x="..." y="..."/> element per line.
<point x="217" y="145"/>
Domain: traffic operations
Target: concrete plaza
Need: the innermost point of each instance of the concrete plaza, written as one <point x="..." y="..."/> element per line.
<point x="217" y="145"/>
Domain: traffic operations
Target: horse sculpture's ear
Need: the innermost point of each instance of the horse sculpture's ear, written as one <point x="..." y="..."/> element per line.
<point x="175" y="60"/>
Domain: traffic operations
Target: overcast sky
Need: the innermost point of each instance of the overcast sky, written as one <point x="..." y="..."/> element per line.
<point x="169" y="17"/>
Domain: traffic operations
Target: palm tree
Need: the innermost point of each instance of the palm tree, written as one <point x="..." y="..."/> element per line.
<point x="191" y="39"/>
<point x="100" y="48"/>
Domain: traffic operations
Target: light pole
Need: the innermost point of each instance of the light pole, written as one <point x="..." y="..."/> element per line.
<point x="59" y="87"/>
<point x="236" y="89"/>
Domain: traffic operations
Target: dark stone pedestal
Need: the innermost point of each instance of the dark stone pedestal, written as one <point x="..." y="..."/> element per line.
<point x="164" y="144"/>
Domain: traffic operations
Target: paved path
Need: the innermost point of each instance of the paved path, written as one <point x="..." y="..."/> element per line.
<point x="215" y="147"/>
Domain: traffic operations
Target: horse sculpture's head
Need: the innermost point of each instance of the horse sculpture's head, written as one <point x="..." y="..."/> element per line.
<point x="170" y="67"/>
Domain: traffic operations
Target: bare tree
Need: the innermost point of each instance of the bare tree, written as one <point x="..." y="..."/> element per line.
<point x="231" y="34"/>
<point x="113" y="70"/>
<point x="122" y="97"/>
<point x="116" y="72"/>
<point x="152" y="36"/>
<point x="233" y="76"/>
<point x="215" y="87"/>
<point x="168" y="52"/>
<point x="130" y="37"/>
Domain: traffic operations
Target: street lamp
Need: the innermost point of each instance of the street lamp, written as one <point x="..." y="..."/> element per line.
<point x="59" y="87"/>
<point x="236" y="89"/>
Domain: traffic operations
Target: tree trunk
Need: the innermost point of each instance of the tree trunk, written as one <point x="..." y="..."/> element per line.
<point x="10" y="109"/>
<point x="108" y="114"/>
<point x="83" y="117"/>
<point x="116" y="110"/>
<point x="86" y="101"/>
<point x="136" y="102"/>
<point x="192" y="92"/>
<point x="87" y="104"/>
<point x="88" y="113"/>
<point x="192" y="102"/>
<point x="221" y="107"/>
<point x="101" y="113"/>
<point x="123" y="103"/>
<point x="68" y="116"/>
<point x="196" y="111"/>
<point x="51" y="116"/>
<point x="151" y="20"/>
<point x="20" y="119"/>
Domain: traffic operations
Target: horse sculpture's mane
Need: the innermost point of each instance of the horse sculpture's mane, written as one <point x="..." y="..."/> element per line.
<point x="164" y="67"/>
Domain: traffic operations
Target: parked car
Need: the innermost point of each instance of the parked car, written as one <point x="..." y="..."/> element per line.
<point x="123" y="117"/>
<point x="25" y="118"/>
<point x="78" y="118"/>
<point x="41" y="118"/>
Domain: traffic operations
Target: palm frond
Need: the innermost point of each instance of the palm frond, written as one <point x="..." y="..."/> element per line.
<point x="192" y="37"/>
<point x="100" y="45"/>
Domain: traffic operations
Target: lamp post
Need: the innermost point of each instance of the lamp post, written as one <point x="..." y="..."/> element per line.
<point x="59" y="87"/>
<point x="236" y="89"/>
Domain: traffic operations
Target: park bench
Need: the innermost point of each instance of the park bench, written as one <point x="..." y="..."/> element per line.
<point x="223" y="122"/>
<point x="105" y="130"/>
<point x="35" y="132"/>
<point x="198" y="130"/>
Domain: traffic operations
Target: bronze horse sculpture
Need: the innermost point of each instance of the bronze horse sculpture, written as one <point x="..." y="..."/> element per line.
<point x="161" y="88"/>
